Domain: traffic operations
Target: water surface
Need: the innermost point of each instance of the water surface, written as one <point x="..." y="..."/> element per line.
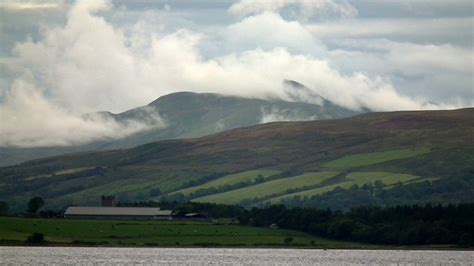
<point x="226" y="256"/>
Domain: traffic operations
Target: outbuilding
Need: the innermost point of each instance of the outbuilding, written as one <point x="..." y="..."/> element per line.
<point x="118" y="213"/>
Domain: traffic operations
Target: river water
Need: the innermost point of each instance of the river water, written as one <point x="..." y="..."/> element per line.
<point x="226" y="256"/>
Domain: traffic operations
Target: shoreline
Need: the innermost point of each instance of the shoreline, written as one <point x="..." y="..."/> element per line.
<point x="166" y="234"/>
<point x="243" y="246"/>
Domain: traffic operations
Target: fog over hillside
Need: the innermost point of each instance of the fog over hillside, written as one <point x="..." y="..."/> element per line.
<point x="61" y="60"/>
<point x="172" y="116"/>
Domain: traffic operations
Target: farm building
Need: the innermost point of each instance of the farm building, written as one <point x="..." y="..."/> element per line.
<point x="118" y="213"/>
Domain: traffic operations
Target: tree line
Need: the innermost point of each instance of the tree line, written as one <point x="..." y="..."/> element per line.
<point x="446" y="190"/>
<point x="427" y="224"/>
<point x="399" y="225"/>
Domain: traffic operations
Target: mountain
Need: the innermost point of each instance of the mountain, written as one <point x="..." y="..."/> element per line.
<point x="428" y="155"/>
<point x="189" y="115"/>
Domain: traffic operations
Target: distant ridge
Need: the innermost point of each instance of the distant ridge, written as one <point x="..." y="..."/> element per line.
<point x="416" y="147"/>
<point x="189" y="115"/>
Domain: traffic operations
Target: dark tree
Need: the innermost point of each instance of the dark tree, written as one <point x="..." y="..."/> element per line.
<point x="35" y="204"/>
<point x="3" y="208"/>
<point x="35" y="238"/>
<point x="154" y="192"/>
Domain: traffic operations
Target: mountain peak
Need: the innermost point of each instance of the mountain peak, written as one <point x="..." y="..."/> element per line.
<point x="298" y="92"/>
<point x="186" y="96"/>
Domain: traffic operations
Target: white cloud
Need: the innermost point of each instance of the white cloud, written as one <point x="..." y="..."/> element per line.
<point x="85" y="64"/>
<point x="89" y="65"/>
<point x="422" y="71"/>
<point x="433" y="57"/>
<point x="269" y="30"/>
<point x="277" y="115"/>
<point x="414" y="58"/>
<point x="20" y="6"/>
<point x="30" y="120"/>
<point x="306" y="8"/>
<point x="434" y="29"/>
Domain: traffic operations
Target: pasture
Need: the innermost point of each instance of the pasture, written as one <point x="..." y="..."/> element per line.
<point x="357" y="178"/>
<point x="366" y="159"/>
<point x="232" y="179"/>
<point x="153" y="233"/>
<point x="274" y="187"/>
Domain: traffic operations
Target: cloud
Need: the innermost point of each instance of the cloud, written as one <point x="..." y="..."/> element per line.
<point x="88" y="64"/>
<point x="419" y="70"/>
<point x="84" y="74"/>
<point x="30" y="120"/>
<point x="307" y="8"/>
<point x="21" y="6"/>
<point x="415" y="58"/>
<point x="85" y="58"/>
<point x="278" y="115"/>
<point x="434" y="30"/>
<point x="269" y="30"/>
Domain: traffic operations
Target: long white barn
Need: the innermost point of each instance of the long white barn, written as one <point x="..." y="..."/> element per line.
<point x="121" y="213"/>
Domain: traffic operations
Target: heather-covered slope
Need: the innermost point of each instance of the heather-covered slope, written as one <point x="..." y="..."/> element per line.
<point x="415" y="146"/>
<point x="188" y="115"/>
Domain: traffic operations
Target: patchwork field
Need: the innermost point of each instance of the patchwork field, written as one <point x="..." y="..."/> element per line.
<point x="254" y="186"/>
<point x="424" y="144"/>
<point x="153" y="233"/>
<point x="228" y="180"/>
<point x="274" y="187"/>
<point x="143" y="187"/>
<point x="310" y="184"/>
<point x="358" y="178"/>
<point x="365" y="159"/>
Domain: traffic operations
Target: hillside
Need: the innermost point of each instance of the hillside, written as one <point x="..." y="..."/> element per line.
<point x="429" y="154"/>
<point x="189" y="115"/>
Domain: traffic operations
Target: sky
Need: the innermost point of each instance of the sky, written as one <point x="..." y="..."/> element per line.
<point x="62" y="59"/>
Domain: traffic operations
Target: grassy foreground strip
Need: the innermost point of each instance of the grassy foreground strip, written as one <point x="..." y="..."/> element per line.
<point x="155" y="233"/>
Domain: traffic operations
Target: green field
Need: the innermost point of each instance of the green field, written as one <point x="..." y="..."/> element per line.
<point x="153" y="233"/>
<point x="365" y="159"/>
<point x="270" y="188"/>
<point x="357" y="178"/>
<point x="247" y="176"/>
<point x="116" y="187"/>
<point x="164" y="182"/>
<point x="415" y="181"/>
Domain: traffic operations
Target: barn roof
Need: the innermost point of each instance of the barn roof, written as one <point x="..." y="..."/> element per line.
<point x="117" y="211"/>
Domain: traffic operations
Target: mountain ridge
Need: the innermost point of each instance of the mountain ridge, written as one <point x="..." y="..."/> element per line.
<point x="185" y="115"/>
<point x="414" y="145"/>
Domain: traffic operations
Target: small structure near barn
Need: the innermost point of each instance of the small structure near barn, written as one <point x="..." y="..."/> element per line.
<point x="107" y="201"/>
<point x="118" y="213"/>
<point x="273" y="226"/>
<point x="195" y="215"/>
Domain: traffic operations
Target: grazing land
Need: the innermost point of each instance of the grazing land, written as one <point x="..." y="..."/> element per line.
<point x="155" y="233"/>
<point x="365" y="159"/>
<point x="275" y="187"/>
<point x="229" y="180"/>
<point x="355" y="179"/>
<point x="434" y="146"/>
